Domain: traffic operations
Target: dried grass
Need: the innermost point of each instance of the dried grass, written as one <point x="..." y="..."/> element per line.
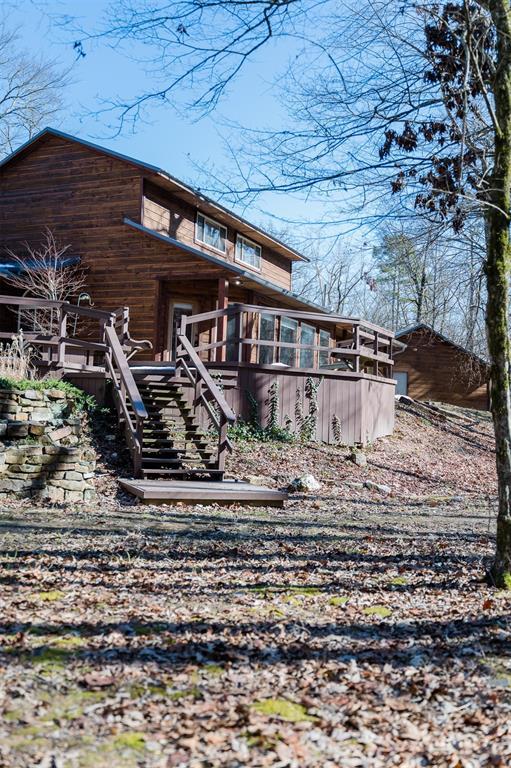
<point x="16" y="359"/>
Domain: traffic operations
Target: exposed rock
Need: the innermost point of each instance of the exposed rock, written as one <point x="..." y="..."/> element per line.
<point x="355" y="486"/>
<point x="259" y="480"/>
<point x="44" y="466"/>
<point x="60" y="434"/>
<point x="358" y="458"/>
<point x="57" y="394"/>
<point x="305" y="483"/>
<point x="37" y="429"/>
<point x="378" y="487"/>
<point x="17" y="429"/>
<point x="41" y="414"/>
<point x="33" y="394"/>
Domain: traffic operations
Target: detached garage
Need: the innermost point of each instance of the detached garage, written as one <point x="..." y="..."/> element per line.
<point x="432" y="367"/>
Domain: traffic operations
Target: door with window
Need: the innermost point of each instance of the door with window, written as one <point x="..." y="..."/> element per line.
<point x="401" y="378"/>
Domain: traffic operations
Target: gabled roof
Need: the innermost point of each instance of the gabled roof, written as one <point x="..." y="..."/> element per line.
<point x="429" y="328"/>
<point x="206" y="204"/>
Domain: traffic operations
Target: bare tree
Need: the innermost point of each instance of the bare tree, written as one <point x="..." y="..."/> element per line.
<point x="31" y="91"/>
<point x="416" y="96"/>
<point x="47" y="272"/>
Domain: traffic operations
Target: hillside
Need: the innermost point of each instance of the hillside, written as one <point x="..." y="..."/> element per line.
<point x="432" y="453"/>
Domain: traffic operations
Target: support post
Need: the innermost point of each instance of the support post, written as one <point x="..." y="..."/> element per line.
<point x="222" y="445"/>
<point x="375" y="350"/>
<point x="62" y="336"/>
<point x="357" y="348"/>
<point x="221" y="331"/>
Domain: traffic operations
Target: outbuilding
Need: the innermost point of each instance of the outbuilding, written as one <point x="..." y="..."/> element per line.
<point x="433" y="367"/>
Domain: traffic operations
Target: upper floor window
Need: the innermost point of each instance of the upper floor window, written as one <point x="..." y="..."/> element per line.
<point x="211" y="233"/>
<point x="248" y="252"/>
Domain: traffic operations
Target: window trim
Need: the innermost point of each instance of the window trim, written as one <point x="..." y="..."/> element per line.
<point x="251" y="242"/>
<point x="217" y="224"/>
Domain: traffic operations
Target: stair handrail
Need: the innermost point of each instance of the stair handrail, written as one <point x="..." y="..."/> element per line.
<point x="126" y="390"/>
<point x="206" y="377"/>
<point x="202" y="376"/>
<point x="129" y="344"/>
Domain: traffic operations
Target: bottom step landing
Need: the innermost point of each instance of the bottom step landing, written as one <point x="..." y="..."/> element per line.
<point x="203" y="492"/>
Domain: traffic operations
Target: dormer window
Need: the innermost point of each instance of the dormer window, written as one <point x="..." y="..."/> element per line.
<point x="209" y="232"/>
<point x="248" y="252"/>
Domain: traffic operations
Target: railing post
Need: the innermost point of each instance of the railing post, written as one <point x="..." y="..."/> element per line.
<point x="125" y="322"/>
<point x="375" y="349"/>
<point x="239" y="334"/>
<point x="357" y="349"/>
<point x="223" y="303"/>
<point x="222" y="444"/>
<point x="62" y="336"/>
<point x="137" y="457"/>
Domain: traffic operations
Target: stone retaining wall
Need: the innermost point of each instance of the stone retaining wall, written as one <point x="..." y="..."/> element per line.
<point x="44" y="451"/>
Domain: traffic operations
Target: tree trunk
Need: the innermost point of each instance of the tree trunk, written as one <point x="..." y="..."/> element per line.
<point x="497" y="279"/>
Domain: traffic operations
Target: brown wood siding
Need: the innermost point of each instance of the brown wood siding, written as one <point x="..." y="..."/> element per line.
<point x="440" y="371"/>
<point x="83" y="196"/>
<point x="168" y="215"/>
<point x="364" y="407"/>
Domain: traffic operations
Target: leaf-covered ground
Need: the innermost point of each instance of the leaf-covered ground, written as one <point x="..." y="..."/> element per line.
<point x="351" y="628"/>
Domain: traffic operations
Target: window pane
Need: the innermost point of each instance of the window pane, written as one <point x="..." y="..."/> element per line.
<point x="288" y="329"/>
<point x="231" y="347"/>
<point x="200" y="228"/>
<point x="211" y="233"/>
<point x="248" y="252"/>
<point x="324" y="341"/>
<point x="267" y="332"/>
<point x="307" y="336"/>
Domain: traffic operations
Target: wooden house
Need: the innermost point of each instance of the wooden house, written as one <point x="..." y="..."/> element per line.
<point x="432" y="367"/>
<point x="183" y="267"/>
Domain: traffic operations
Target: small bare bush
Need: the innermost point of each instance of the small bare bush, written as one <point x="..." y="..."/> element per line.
<point x="45" y="272"/>
<point x="16" y="359"/>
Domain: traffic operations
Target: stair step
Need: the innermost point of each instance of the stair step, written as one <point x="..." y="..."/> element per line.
<point x="169" y="453"/>
<point x="172" y="462"/>
<point x="166" y="429"/>
<point x="217" y="473"/>
<point x="150" y="425"/>
<point x="178" y="443"/>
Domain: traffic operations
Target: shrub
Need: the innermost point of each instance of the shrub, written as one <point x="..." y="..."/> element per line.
<point x="84" y="402"/>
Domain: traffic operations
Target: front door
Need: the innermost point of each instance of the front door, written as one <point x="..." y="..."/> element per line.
<point x="177" y="310"/>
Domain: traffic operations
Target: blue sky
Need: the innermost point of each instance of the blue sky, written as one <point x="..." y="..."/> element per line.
<point x="175" y="139"/>
<point x="176" y="142"/>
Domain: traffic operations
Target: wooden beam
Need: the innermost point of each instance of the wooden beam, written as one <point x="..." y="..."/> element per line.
<point x="222" y="303"/>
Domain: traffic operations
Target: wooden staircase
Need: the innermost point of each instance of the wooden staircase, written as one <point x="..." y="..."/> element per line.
<point x="164" y="412"/>
<point x="173" y="442"/>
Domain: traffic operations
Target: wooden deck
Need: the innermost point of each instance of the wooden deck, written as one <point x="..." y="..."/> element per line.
<point x="203" y="492"/>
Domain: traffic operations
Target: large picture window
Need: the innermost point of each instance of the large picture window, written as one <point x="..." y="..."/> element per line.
<point x="248" y="252"/>
<point x="211" y="233"/>
<point x="288" y="332"/>
<point x="324" y="341"/>
<point x="307" y="336"/>
<point x="266" y="333"/>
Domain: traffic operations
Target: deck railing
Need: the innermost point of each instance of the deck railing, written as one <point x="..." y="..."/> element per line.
<point x="267" y="336"/>
<point x="207" y="395"/>
<point x="58" y="353"/>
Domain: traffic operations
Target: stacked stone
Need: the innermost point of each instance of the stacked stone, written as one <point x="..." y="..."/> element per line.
<point x="44" y="452"/>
